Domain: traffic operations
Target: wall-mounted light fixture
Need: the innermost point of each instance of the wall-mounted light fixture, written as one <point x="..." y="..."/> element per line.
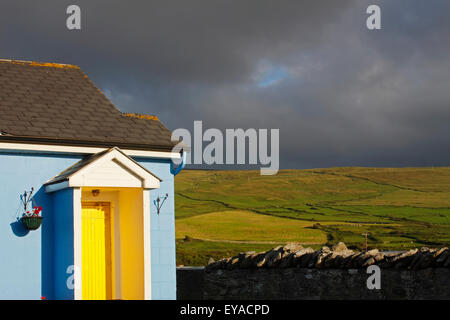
<point x="95" y="192"/>
<point x="159" y="202"/>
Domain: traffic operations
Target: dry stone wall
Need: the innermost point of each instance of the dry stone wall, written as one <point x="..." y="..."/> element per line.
<point x="294" y="272"/>
<point x="338" y="257"/>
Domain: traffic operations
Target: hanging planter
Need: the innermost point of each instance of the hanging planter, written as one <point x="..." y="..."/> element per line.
<point x="31" y="223"/>
<point x="31" y="220"/>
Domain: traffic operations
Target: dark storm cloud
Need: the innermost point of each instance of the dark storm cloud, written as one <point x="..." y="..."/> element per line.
<point x="340" y="94"/>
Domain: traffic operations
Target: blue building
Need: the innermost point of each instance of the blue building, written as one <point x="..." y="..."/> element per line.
<point x="97" y="174"/>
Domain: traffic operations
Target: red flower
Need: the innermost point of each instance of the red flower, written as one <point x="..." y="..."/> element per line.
<point x="43" y="298"/>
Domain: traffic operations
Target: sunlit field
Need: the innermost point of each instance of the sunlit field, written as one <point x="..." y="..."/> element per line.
<point x="224" y="212"/>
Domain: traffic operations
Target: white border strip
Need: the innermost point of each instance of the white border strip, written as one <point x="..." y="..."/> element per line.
<point x="147" y="246"/>
<point x="77" y="253"/>
<point x="57" y="186"/>
<point x="46" y="148"/>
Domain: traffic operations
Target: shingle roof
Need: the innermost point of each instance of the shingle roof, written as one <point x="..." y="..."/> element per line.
<point x="58" y="104"/>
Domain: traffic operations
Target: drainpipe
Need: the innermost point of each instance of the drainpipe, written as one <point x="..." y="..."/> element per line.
<point x="180" y="167"/>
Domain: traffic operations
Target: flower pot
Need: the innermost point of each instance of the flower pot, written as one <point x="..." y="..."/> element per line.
<point x="31" y="223"/>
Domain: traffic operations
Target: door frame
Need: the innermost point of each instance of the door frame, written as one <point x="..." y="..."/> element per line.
<point x="77" y="195"/>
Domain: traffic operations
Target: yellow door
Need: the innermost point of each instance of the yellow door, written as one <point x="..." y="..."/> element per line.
<point x="96" y="251"/>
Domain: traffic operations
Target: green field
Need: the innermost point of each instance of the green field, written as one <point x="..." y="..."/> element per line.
<point x="221" y="213"/>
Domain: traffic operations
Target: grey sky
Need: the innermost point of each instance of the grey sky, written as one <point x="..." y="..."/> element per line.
<point x="340" y="94"/>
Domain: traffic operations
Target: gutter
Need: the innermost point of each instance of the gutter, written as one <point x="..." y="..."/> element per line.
<point x="175" y="170"/>
<point x="81" y="143"/>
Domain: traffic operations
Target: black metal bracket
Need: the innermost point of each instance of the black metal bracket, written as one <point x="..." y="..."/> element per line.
<point x="159" y="202"/>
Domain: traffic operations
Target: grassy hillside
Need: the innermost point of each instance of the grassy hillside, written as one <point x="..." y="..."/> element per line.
<point x="225" y="212"/>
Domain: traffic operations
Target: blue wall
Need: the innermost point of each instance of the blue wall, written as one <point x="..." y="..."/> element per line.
<point x="162" y="232"/>
<point x="20" y="251"/>
<point x="62" y="243"/>
<point x="31" y="266"/>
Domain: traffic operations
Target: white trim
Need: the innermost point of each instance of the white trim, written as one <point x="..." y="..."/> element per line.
<point x="44" y="148"/>
<point x="77" y="252"/>
<point x="148" y="180"/>
<point x="147" y="245"/>
<point x="57" y="186"/>
<point x="83" y="178"/>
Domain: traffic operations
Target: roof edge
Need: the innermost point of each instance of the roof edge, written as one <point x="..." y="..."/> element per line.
<point x="84" y="143"/>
